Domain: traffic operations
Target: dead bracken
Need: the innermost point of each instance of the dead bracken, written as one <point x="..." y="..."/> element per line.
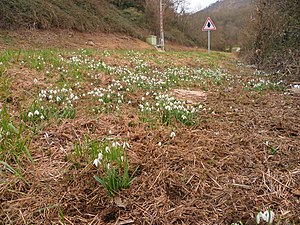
<point x="210" y="151"/>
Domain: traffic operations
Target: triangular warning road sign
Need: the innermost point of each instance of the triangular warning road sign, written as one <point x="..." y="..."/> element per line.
<point x="209" y="25"/>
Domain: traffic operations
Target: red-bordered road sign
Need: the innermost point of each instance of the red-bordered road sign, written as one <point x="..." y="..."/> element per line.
<point x="209" y="25"/>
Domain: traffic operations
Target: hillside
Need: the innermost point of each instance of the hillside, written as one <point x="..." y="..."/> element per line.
<point x="80" y="15"/>
<point x="230" y="18"/>
<point x="133" y="18"/>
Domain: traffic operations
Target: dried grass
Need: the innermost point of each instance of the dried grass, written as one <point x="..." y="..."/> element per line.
<point x="217" y="172"/>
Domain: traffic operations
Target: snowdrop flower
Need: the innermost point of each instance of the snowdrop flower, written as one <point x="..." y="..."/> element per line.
<point x="159" y="144"/>
<point x="36" y="112"/>
<point x="267" y="216"/>
<point x="115" y="144"/>
<point x="122" y="158"/>
<point x="42" y="117"/>
<point x="96" y="162"/>
<point x="35" y="81"/>
<point x="30" y="114"/>
<point x="125" y="144"/>
<point x="100" y="156"/>
<point x="107" y="149"/>
<point x="58" y="98"/>
<point x="108" y="166"/>
<point x="172" y="135"/>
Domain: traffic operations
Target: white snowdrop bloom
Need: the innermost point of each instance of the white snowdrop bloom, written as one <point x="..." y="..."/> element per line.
<point x="126" y="145"/>
<point x="35" y="81"/>
<point x="50" y="97"/>
<point x="172" y="135"/>
<point x="115" y="144"/>
<point x="100" y="156"/>
<point x="119" y="101"/>
<point x="129" y="102"/>
<point x="159" y="144"/>
<point x="58" y="98"/>
<point x="168" y="107"/>
<point x="268" y="216"/>
<point x="42" y="117"/>
<point x="107" y="149"/>
<point x="143" y="98"/>
<point x="36" y="112"/>
<point x="30" y="114"/>
<point x="108" y="166"/>
<point x="72" y="95"/>
<point x="96" y="162"/>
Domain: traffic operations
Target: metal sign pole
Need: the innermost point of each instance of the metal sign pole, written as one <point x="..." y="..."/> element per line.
<point x="208" y="41"/>
<point x="208" y="26"/>
<point x="162" y="38"/>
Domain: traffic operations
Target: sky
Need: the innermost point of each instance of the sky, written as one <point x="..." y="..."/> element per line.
<point x="196" y="5"/>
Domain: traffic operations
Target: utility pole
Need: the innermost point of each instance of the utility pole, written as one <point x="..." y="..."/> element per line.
<point x="162" y="38"/>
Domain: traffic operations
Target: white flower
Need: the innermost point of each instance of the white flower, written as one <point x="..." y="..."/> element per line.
<point x="107" y="149"/>
<point x="96" y="162"/>
<point x="115" y="144"/>
<point x="122" y="158"/>
<point x="100" y="156"/>
<point x="108" y="166"/>
<point x="172" y="134"/>
<point x="30" y="114"/>
<point x="36" y="112"/>
<point x="58" y="98"/>
<point x="126" y="145"/>
<point x="159" y="144"/>
<point x="35" y="81"/>
<point x="267" y="216"/>
<point x="42" y="117"/>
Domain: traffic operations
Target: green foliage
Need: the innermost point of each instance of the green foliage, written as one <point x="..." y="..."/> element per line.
<point x="12" y="143"/>
<point x="86" y="150"/>
<point x="109" y="158"/>
<point x="67" y="14"/>
<point x="113" y="165"/>
<point x="274" y="43"/>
